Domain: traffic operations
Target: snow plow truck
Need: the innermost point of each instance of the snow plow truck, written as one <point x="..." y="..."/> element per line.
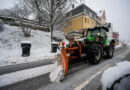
<point x="94" y="43"/>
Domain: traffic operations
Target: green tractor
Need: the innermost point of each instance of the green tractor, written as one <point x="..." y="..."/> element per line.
<point x="96" y="44"/>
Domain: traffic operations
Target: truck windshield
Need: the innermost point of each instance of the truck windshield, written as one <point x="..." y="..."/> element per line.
<point x="92" y="33"/>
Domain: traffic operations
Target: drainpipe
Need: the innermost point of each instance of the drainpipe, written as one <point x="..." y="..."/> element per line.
<point x="82" y="21"/>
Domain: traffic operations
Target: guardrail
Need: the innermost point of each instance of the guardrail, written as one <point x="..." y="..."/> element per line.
<point x="31" y="23"/>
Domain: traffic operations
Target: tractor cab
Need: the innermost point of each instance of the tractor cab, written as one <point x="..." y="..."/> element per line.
<point x="97" y="33"/>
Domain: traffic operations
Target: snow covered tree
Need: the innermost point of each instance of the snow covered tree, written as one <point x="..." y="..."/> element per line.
<point x="51" y="11"/>
<point x="55" y="10"/>
<point x="35" y="7"/>
<point x="24" y="25"/>
<point x="26" y="28"/>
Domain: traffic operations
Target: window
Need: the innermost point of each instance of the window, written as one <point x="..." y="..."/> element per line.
<point x="90" y="14"/>
<point x="94" y="17"/>
<point x="69" y="23"/>
<point x="99" y="19"/>
<point x="103" y="33"/>
<point x="92" y="33"/>
<point x="88" y="20"/>
<point x="93" y="23"/>
<point x="95" y="32"/>
<point x="85" y="19"/>
<point x="87" y="12"/>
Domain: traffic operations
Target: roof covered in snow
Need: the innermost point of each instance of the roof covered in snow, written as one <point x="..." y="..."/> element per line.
<point x="100" y="13"/>
<point x="80" y="9"/>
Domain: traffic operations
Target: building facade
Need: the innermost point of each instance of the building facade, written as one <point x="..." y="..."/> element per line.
<point x="101" y="17"/>
<point x="80" y="18"/>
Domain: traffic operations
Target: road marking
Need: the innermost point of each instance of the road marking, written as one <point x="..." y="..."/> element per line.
<point x="83" y="84"/>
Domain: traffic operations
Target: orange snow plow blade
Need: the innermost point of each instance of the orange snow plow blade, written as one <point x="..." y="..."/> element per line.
<point x="64" y="60"/>
<point x="69" y="50"/>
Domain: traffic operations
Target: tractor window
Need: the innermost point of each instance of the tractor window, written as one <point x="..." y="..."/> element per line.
<point x="89" y="33"/>
<point x="103" y="33"/>
<point x="92" y="33"/>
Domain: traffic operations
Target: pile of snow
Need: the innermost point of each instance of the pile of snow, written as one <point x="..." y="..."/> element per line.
<point x="58" y="34"/>
<point x="57" y="74"/>
<point x="128" y="44"/>
<point x="119" y="45"/>
<point x="26" y="42"/>
<point x="100" y="13"/>
<point x="18" y="76"/>
<point x="114" y="73"/>
<point x="10" y="46"/>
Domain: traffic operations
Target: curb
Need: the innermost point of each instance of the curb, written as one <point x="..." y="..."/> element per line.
<point x="23" y="66"/>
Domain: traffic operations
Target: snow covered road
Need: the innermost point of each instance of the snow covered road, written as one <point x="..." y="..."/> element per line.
<point x="22" y="66"/>
<point x="78" y="75"/>
<point x="15" y="77"/>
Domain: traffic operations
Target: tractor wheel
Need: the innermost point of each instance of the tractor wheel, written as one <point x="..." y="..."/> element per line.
<point x="96" y="53"/>
<point x="110" y="51"/>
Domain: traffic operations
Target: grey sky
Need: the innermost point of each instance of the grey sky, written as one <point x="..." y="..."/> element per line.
<point x="117" y="12"/>
<point x="6" y="4"/>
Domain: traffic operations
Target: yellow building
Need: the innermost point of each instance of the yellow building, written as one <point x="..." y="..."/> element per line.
<point x="80" y="18"/>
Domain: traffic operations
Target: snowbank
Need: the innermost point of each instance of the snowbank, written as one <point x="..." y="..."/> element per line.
<point x="119" y="45"/>
<point x="128" y="44"/>
<point x="57" y="74"/>
<point x="26" y="42"/>
<point x="10" y="46"/>
<point x="114" y="73"/>
<point x="18" y="76"/>
<point x="58" y="34"/>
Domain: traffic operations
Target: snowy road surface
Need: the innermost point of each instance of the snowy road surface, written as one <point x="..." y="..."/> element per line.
<point x="17" y="67"/>
<point x="22" y="66"/>
<point x="21" y="75"/>
<point x="84" y="73"/>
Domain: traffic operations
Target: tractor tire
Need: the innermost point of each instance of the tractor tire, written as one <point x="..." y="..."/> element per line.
<point x="95" y="53"/>
<point x="110" y="51"/>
